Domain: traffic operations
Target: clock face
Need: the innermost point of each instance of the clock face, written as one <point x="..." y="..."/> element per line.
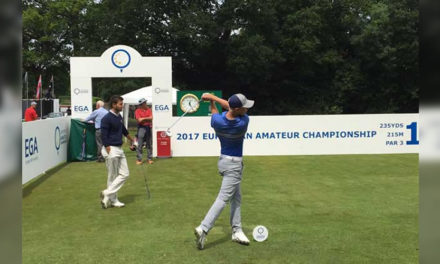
<point x="189" y="103"/>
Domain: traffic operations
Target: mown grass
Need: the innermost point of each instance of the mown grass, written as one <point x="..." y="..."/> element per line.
<point x="318" y="209"/>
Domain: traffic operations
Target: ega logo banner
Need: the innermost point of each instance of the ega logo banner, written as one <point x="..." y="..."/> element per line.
<point x="81" y="108"/>
<point x="30" y="146"/>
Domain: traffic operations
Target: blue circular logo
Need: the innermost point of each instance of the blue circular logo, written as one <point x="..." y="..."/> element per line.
<point x="57" y="138"/>
<point x="121" y="59"/>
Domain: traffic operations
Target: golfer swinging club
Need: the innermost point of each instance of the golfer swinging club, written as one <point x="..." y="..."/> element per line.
<point x="112" y="130"/>
<point x="230" y="127"/>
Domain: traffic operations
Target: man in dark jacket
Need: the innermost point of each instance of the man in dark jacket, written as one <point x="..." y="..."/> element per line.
<point x="112" y="129"/>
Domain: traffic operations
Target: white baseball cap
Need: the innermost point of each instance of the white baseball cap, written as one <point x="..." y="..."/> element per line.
<point x="142" y="100"/>
<point x="239" y="100"/>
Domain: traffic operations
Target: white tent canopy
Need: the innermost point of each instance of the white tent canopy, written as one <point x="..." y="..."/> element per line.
<point x="133" y="97"/>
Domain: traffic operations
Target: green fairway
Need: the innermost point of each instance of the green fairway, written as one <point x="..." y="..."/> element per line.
<point x="318" y="209"/>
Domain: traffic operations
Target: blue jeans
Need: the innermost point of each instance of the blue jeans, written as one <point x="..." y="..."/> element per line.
<point x="144" y="135"/>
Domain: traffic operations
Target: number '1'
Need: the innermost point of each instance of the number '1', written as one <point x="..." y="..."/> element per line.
<point x="413" y="127"/>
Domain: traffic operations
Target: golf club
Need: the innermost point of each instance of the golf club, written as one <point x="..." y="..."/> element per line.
<point x="147" y="189"/>
<point x="168" y="132"/>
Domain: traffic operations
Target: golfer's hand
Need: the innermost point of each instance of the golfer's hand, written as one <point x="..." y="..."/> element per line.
<point x="207" y="96"/>
<point x="108" y="149"/>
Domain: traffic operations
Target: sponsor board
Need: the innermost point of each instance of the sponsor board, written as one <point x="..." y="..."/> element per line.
<point x="44" y="145"/>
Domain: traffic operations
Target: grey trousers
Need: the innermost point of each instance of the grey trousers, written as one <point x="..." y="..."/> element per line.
<point x="230" y="191"/>
<point x="98" y="144"/>
<point x="144" y="135"/>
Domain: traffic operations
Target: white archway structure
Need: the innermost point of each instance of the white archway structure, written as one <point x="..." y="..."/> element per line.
<point x="122" y="62"/>
<point x="132" y="98"/>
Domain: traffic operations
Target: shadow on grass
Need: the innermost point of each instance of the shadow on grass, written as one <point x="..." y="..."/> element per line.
<point x="129" y="198"/>
<point x="227" y="231"/>
<point x="217" y="242"/>
<point x="29" y="187"/>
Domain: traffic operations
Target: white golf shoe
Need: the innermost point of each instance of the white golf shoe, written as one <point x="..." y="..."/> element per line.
<point x="200" y="237"/>
<point x="117" y="204"/>
<point x="240" y="237"/>
<point x="105" y="201"/>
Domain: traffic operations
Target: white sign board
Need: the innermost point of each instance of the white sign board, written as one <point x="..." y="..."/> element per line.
<point x="44" y="145"/>
<point x="305" y="135"/>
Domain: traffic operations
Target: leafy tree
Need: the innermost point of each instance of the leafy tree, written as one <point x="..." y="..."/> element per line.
<point x="52" y="33"/>
<point x="291" y="56"/>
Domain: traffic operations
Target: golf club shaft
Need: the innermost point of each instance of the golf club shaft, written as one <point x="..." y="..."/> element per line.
<point x="175" y="122"/>
<point x="146" y="183"/>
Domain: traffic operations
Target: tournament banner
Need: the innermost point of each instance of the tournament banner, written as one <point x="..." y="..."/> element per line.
<point x="305" y="135"/>
<point x="44" y="145"/>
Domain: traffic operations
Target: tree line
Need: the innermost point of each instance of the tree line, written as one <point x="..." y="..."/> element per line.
<point x="291" y="56"/>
